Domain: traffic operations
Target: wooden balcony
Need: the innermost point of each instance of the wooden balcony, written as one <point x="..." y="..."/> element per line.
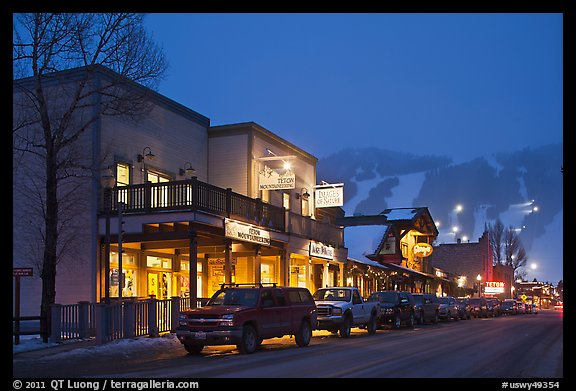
<point x="194" y="195"/>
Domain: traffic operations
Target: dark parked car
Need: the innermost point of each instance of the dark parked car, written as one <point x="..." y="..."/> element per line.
<point x="448" y="308"/>
<point x="493" y="307"/>
<point x="509" y="307"/>
<point x="396" y="308"/>
<point x="245" y="314"/>
<point x="426" y="309"/>
<point x="479" y="307"/>
<point x="464" y="308"/>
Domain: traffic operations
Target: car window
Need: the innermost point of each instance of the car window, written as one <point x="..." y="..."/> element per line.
<point x="356" y="299"/>
<point x="267" y="298"/>
<point x="280" y="299"/>
<point x="387" y="297"/>
<point x="332" y="294"/>
<point x="305" y="296"/>
<point x="240" y="297"/>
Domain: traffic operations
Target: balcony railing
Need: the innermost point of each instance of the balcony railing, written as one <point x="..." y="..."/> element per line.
<point x="322" y="232"/>
<point x="194" y="195"/>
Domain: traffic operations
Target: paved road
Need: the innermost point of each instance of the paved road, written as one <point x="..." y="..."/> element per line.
<point x="522" y="346"/>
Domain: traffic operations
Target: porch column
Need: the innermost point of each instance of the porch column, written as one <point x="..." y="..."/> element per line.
<point x="326" y="275"/>
<point x="228" y="261"/>
<point x="284" y="267"/>
<point x="193" y="271"/>
<point x="257" y="263"/>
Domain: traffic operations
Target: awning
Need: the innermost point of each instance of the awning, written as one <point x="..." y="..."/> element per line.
<point x="367" y="262"/>
<point x="393" y="266"/>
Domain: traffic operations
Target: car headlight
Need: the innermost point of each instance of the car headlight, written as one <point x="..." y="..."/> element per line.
<point x="337" y="311"/>
<point x="227" y="320"/>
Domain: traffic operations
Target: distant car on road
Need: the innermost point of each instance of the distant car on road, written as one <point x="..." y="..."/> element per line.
<point x="479" y="307"/>
<point x="448" y="308"/>
<point x="464" y="308"/>
<point x="426" y="308"/>
<point x="509" y="307"/>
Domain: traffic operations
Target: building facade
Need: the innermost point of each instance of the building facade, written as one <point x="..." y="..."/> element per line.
<point x="188" y="211"/>
<point x="470" y="263"/>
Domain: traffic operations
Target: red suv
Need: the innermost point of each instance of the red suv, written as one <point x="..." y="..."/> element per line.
<point x="246" y="314"/>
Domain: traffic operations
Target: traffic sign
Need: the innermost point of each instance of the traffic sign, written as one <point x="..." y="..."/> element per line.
<point x="523" y="297"/>
<point x="22" y="272"/>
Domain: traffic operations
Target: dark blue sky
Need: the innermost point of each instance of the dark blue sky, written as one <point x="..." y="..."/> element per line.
<point x="460" y="85"/>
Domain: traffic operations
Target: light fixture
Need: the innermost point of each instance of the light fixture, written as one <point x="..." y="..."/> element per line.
<point x="108" y="180"/>
<point x="303" y="194"/>
<point x="147" y="156"/>
<point x="188" y="169"/>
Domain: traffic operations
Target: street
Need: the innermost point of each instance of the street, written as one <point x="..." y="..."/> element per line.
<point x="521" y="346"/>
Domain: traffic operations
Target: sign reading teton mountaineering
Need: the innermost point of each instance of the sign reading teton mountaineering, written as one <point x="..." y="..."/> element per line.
<point x="246" y="232"/>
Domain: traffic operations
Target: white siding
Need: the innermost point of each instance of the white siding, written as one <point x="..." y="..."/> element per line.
<point x="305" y="172"/>
<point x="227" y="159"/>
<point x="173" y="139"/>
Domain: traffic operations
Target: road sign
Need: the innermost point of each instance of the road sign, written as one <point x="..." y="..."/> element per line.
<point x="523" y="297"/>
<point x="22" y="272"/>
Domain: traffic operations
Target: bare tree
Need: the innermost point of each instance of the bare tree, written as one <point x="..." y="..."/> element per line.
<point x="53" y="107"/>
<point x="516" y="256"/>
<point x="496" y="233"/>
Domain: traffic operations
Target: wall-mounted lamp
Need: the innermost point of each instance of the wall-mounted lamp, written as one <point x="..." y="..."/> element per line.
<point x="188" y="169"/>
<point x="304" y="194"/>
<point x="146" y="155"/>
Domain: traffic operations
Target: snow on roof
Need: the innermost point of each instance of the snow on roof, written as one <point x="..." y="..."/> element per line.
<point x="363" y="239"/>
<point x="401" y="214"/>
<point x="368" y="262"/>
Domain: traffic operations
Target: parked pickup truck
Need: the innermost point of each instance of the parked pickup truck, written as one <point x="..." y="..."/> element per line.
<point x="341" y="308"/>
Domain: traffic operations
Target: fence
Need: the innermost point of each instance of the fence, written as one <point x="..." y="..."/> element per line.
<point x="127" y="318"/>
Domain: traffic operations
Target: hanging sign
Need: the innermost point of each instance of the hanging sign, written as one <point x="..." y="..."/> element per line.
<point x="326" y="196"/>
<point x="269" y="179"/>
<point x="246" y="232"/>
<point x="320" y="250"/>
<point x="422" y="249"/>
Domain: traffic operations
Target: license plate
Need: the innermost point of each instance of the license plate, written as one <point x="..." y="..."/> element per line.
<point x="200" y="335"/>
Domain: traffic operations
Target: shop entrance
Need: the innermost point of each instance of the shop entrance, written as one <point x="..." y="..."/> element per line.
<point x="160" y="285"/>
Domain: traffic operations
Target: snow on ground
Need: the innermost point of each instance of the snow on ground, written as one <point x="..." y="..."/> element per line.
<point x="124" y="346"/>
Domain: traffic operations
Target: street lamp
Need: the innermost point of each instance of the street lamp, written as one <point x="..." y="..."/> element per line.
<point x="145" y="156"/>
<point x="107" y="181"/>
<point x="479" y="279"/>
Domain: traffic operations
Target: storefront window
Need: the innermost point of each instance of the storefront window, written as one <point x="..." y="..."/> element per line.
<point x="269" y="269"/>
<point x="129" y="274"/>
<point x="298" y="272"/>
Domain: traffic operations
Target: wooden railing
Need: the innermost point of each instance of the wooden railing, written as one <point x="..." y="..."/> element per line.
<point x="194" y="195"/>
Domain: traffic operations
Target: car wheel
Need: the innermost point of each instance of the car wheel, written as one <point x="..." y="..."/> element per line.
<point x="249" y="342"/>
<point x="436" y="318"/>
<point x="193" y="349"/>
<point x="304" y="334"/>
<point x="411" y="321"/>
<point x="345" y="328"/>
<point x="372" y="325"/>
<point x="397" y="322"/>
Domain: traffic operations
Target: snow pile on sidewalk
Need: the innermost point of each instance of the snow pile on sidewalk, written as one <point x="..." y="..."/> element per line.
<point x="125" y="347"/>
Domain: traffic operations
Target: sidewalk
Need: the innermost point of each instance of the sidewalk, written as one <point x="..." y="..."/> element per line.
<point x="34" y="348"/>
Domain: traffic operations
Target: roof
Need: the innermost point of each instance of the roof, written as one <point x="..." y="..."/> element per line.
<point x="368" y="262"/>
